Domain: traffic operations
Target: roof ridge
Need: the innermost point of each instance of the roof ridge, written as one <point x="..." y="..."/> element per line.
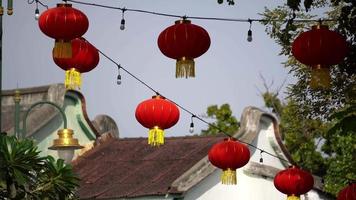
<point x="30" y="90"/>
<point x="175" y="137"/>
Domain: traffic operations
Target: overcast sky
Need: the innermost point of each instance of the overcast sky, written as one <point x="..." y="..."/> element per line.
<point x="227" y="73"/>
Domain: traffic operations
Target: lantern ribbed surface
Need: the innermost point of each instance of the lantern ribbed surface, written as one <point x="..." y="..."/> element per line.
<point x="293" y="182"/>
<point x="184" y="41"/>
<point x="320" y="48"/>
<point x="157" y="114"/>
<point x="229" y="155"/>
<point x="85" y="58"/>
<point x="63" y="23"/>
<point x="347" y="193"/>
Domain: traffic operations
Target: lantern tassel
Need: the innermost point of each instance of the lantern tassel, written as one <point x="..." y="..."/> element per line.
<point x="156" y="136"/>
<point x="293" y="197"/>
<point x="228" y="177"/>
<point x="320" y="78"/>
<point x="62" y="49"/>
<point x="72" y="79"/>
<point x="185" y="67"/>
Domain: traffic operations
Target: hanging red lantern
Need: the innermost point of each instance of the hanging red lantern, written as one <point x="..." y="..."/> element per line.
<point x="229" y="155"/>
<point x="348" y="193"/>
<point x="157" y="114"/>
<point x="63" y="23"/>
<point x="320" y="48"/>
<point x="85" y="58"/>
<point x="293" y="182"/>
<point x="184" y="41"/>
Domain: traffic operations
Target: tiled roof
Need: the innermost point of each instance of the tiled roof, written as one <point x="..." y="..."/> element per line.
<point x="124" y="168"/>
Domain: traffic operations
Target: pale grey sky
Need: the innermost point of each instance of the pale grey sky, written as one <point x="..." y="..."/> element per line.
<point x="227" y="73"/>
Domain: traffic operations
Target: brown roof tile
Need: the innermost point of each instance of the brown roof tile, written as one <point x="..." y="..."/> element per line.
<point x="129" y="167"/>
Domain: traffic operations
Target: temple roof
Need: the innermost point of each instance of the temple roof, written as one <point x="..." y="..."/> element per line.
<point x="121" y="168"/>
<point x="129" y="167"/>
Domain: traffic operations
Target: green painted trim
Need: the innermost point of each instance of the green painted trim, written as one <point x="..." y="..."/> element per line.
<point x="40" y="103"/>
<point x="74" y="99"/>
<point x="84" y="128"/>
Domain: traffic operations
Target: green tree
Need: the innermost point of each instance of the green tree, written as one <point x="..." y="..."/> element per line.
<point x="326" y="148"/>
<point x="311" y="118"/>
<point x="224" y="120"/>
<point x="340" y="146"/>
<point x="301" y="136"/>
<point x="26" y="175"/>
<point x="316" y="103"/>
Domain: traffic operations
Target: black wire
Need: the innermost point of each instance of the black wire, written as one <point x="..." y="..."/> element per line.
<point x="126" y="9"/>
<point x="155" y="13"/>
<point x="119" y="66"/>
<point x="37" y="2"/>
<point x="42" y="4"/>
<point x="195" y="17"/>
<point x="181" y="107"/>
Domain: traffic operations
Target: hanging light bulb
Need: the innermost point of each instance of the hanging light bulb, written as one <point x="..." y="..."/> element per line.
<point x="118" y="80"/>
<point x="37" y="14"/>
<point x="122" y="25"/>
<point x="37" y="11"/>
<point x="249" y="36"/>
<point x="249" y="32"/>
<point x="191" y="128"/>
<point x="261" y="159"/>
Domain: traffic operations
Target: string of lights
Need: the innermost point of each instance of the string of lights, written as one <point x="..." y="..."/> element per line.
<point x="191" y="128"/>
<point x="249" y="20"/>
<point x="37" y="10"/>
<point x="122" y="27"/>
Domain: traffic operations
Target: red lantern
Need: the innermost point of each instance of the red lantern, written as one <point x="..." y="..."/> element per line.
<point x="319" y="48"/>
<point x="293" y="182"/>
<point x="348" y="193"/>
<point x="184" y="41"/>
<point x="85" y="58"/>
<point x="157" y="114"/>
<point x="229" y="155"/>
<point x="63" y="23"/>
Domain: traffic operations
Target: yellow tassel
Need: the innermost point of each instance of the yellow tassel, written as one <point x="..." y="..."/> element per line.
<point x="292" y="197"/>
<point x="62" y="49"/>
<point x="228" y="177"/>
<point x="73" y="79"/>
<point x="185" y="67"/>
<point x="156" y="136"/>
<point x="320" y="78"/>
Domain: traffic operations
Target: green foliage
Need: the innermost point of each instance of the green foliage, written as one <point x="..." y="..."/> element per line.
<point x="272" y="101"/>
<point x="26" y="175"/>
<point x="316" y="104"/>
<point x="308" y="4"/>
<point x="19" y="158"/>
<point x="340" y="145"/>
<point x="344" y="121"/>
<point x="57" y="180"/>
<point x="301" y="135"/>
<point x="308" y="114"/>
<point x="224" y="120"/>
<point x="335" y="161"/>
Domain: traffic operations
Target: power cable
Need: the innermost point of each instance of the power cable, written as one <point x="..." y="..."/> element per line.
<point x="183" y="108"/>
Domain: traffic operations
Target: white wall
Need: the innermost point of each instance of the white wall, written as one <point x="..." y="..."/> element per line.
<point x="248" y="187"/>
